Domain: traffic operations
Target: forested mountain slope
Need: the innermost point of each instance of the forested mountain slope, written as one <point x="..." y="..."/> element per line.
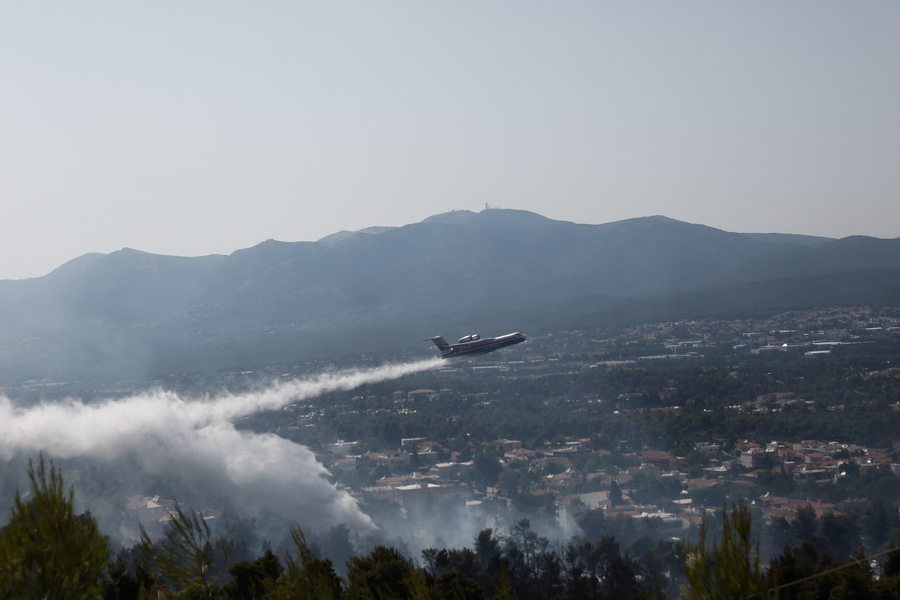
<point x="134" y="313"/>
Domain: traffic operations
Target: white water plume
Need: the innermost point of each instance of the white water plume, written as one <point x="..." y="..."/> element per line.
<point x="196" y="439"/>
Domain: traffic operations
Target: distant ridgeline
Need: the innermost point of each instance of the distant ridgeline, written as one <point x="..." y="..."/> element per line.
<point x="382" y="290"/>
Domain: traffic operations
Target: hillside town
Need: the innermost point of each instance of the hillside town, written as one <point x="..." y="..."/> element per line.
<point x="676" y="484"/>
<point x="636" y="439"/>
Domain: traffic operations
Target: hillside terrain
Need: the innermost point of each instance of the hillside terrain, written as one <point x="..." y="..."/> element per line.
<point x="130" y="314"/>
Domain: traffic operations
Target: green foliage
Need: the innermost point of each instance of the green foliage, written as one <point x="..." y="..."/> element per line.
<point x="615" y="494"/>
<point x="383" y="573"/>
<point x="46" y="550"/>
<point x="252" y="580"/>
<point x="486" y="469"/>
<point x="127" y="582"/>
<point x="335" y="544"/>
<point x="307" y="577"/>
<point x="185" y="557"/>
<point x="803" y="573"/>
<point x="855" y="581"/>
<point x="599" y="570"/>
<point x="529" y="504"/>
<point x="508" y="482"/>
<point x="454" y="586"/>
<point x="724" y="570"/>
<point x="504" y="589"/>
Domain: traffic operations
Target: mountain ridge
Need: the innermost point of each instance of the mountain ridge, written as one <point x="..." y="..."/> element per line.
<point x="319" y="298"/>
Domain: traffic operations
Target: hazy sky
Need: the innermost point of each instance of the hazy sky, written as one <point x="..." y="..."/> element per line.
<point x="195" y="128"/>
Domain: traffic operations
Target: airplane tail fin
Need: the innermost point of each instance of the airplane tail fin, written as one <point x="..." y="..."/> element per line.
<point x="440" y="342"/>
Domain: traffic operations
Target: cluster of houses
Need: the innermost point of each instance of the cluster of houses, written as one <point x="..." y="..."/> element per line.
<point x="574" y="492"/>
<point x="809" y="460"/>
<point x="438" y="477"/>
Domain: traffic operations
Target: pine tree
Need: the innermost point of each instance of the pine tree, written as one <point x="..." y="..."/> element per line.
<point x="307" y="577"/>
<point x="186" y="557"/>
<point x="728" y="569"/>
<point x="46" y="550"/>
<point x="383" y="573"/>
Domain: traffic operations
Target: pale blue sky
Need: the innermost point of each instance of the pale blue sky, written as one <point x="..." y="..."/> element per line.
<point x="194" y="128"/>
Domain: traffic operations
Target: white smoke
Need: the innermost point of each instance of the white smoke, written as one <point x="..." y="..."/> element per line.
<point x="196" y="439"/>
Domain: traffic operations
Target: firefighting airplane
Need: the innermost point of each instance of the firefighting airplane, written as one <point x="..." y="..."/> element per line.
<point x="472" y="345"/>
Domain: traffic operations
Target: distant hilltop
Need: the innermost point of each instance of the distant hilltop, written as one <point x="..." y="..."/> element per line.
<point x="383" y="289"/>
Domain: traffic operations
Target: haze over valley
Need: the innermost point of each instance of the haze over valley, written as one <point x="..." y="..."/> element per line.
<point x="289" y="385"/>
<point x="134" y="316"/>
<point x="240" y="241"/>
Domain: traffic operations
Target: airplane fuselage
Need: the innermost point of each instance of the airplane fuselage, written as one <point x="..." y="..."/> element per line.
<point x="473" y="345"/>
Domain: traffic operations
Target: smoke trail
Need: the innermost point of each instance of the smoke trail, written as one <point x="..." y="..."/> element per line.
<point x="197" y="440"/>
